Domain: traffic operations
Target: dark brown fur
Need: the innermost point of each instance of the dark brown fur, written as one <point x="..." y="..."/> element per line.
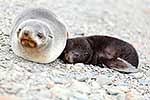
<point x="110" y="51"/>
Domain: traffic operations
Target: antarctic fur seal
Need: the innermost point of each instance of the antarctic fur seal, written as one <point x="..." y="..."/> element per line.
<point x="38" y="35"/>
<point x="112" y="52"/>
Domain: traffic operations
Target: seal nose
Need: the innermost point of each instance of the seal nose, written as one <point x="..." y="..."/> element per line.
<point x="69" y="58"/>
<point x="26" y="32"/>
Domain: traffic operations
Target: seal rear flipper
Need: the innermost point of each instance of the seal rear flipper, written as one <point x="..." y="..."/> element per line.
<point x="121" y="66"/>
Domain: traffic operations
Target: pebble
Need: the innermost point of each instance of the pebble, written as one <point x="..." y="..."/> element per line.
<point x="94" y="85"/>
<point x="58" y="79"/>
<point x="116" y="93"/>
<point x="50" y="84"/>
<point x="80" y="34"/>
<point x="138" y="75"/>
<point x="132" y="96"/>
<point x="73" y="91"/>
<point x="103" y="80"/>
<point x="147" y="73"/>
<point x="62" y="93"/>
<point x="76" y="86"/>
<point x="144" y="82"/>
<point x="9" y="98"/>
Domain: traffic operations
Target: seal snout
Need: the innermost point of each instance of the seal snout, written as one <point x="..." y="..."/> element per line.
<point x="26" y="40"/>
<point x="69" y="58"/>
<point x="28" y="43"/>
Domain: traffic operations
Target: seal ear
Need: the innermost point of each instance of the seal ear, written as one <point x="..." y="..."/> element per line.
<point x="18" y="32"/>
<point x="121" y="66"/>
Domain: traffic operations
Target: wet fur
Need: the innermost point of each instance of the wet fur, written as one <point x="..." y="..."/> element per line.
<point x="112" y="52"/>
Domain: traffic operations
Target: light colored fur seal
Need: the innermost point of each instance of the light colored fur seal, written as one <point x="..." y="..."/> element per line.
<point x="37" y="35"/>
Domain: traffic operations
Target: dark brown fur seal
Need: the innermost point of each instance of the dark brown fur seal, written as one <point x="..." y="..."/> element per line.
<point x="112" y="52"/>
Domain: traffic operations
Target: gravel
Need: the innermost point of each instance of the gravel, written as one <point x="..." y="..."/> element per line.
<point x="125" y="19"/>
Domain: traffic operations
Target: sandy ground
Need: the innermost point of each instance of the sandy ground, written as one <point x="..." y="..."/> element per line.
<point x="125" y="19"/>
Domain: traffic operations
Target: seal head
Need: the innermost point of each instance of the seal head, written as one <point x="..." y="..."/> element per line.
<point x="37" y="35"/>
<point x="33" y="34"/>
<point x="77" y="51"/>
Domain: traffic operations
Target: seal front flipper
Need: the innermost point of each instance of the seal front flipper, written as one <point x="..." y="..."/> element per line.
<point x="121" y="65"/>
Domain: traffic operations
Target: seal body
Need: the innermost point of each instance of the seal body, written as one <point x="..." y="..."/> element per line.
<point x="37" y="35"/>
<point x="112" y="52"/>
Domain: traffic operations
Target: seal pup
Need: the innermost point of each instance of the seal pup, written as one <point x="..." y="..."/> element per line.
<point x="37" y="35"/>
<point x="112" y="52"/>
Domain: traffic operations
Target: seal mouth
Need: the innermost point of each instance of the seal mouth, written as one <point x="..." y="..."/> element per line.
<point x="29" y="43"/>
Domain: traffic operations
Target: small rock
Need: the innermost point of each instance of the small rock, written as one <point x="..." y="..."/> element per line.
<point x="81" y="87"/>
<point x="95" y="85"/>
<point x="79" y="64"/>
<point x="82" y="34"/>
<point x="144" y="82"/>
<point x="116" y="93"/>
<point x="137" y="75"/>
<point x="60" y="92"/>
<point x="103" y="80"/>
<point x="78" y="96"/>
<point x="58" y="79"/>
<point x="8" y="98"/>
<point x="148" y="73"/>
<point x="57" y="72"/>
<point x="131" y="96"/>
<point x="50" y="84"/>
<point x="123" y="88"/>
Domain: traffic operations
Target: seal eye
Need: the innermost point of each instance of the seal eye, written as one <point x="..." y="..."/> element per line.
<point x="77" y="54"/>
<point x="40" y="35"/>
